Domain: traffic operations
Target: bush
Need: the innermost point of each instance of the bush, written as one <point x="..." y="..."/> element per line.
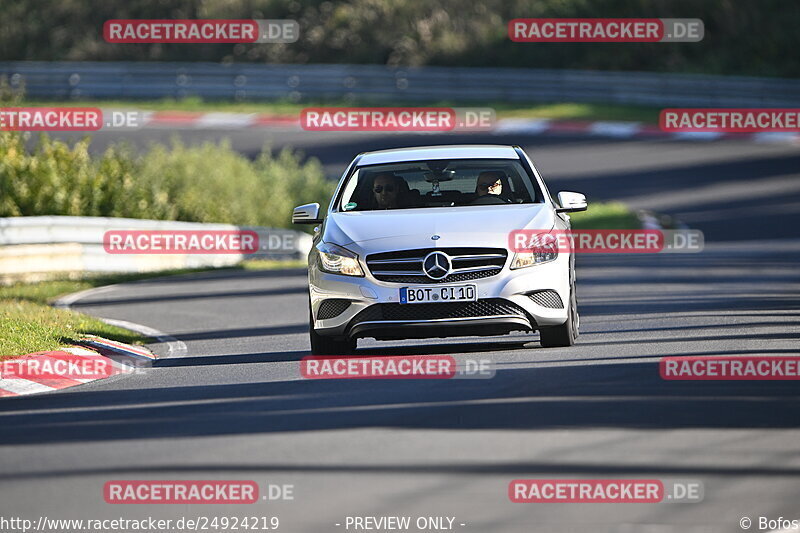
<point x="206" y="183"/>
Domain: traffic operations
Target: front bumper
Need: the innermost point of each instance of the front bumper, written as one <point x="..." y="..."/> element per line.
<point x="371" y="308"/>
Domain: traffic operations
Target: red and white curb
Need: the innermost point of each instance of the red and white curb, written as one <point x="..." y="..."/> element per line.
<point x="108" y="351"/>
<point x="107" y="347"/>
<point x="601" y="128"/>
<point x="217" y="120"/>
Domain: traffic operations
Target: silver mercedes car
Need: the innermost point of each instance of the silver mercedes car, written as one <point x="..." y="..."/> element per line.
<point x="415" y="244"/>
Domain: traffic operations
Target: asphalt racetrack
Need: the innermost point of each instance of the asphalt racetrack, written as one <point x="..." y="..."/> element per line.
<point x="234" y="406"/>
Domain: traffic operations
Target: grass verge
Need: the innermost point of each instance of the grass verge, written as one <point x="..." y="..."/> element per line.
<point x="559" y="111"/>
<point x="605" y="215"/>
<point x="29" y="324"/>
<point x="30" y="327"/>
<point x="269" y="264"/>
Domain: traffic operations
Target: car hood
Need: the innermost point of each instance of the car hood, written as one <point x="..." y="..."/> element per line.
<point x="456" y="226"/>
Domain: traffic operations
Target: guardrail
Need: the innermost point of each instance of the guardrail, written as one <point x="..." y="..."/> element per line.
<point x="33" y="248"/>
<point x="241" y="82"/>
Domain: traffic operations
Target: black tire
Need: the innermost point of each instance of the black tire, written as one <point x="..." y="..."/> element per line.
<point x="322" y="345"/>
<point x="567" y="333"/>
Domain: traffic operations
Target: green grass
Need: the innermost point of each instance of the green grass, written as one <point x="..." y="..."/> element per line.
<point x="561" y="111"/>
<point x="269" y="264"/>
<point x="575" y="111"/>
<point x="608" y="215"/>
<point x="278" y="107"/>
<point x="30" y="327"/>
<point x="29" y="324"/>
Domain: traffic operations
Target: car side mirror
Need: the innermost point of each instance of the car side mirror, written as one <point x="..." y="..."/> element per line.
<point x="306" y="214"/>
<point x="571" y="202"/>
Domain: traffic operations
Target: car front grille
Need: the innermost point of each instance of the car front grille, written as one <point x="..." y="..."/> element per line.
<point x="409" y="312"/>
<point x="467" y="264"/>
<point x="547" y="298"/>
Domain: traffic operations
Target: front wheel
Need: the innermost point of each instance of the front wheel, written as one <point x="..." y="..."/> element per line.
<point x="565" y="334"/>
<point x="321" y="345"/>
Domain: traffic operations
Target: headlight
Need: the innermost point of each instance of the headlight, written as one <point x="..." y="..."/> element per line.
<point x="338" y="260"/>
<point x="544" y="251"/>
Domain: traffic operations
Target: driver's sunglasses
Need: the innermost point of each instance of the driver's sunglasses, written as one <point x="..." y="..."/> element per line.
<point x="487" y="186"/>
<point x="380" y="188"/>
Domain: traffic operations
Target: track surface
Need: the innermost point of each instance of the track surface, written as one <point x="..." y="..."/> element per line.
<point x="235" y="407"/>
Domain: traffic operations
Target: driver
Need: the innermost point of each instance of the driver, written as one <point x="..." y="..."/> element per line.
<point x="386" y="190"/>
<point x="489" y="182"/>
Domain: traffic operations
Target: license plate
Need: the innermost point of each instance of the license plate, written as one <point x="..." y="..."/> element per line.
<point x="438" y="294"/>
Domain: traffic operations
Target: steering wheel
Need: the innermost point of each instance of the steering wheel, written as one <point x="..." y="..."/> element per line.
<point x="489" y="199"/>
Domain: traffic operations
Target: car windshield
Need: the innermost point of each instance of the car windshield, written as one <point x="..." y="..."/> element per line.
<point x="439" y="183"/>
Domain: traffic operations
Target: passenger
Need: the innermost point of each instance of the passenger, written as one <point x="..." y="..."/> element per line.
<point x="489" y="182"/>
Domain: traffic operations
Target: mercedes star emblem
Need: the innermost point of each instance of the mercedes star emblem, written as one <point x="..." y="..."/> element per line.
<point x="436" y="265"/>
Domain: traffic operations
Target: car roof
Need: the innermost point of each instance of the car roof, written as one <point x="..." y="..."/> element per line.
<point x="422" y="153"/>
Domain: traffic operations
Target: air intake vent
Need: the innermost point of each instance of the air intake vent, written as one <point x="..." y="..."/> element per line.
<point x="332" y="308"/>
<point x="548" y="298"/>
<point x="482" y="308"/>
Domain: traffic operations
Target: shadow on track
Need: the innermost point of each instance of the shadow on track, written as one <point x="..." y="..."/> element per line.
<point x="515" y="469"/>
<point x="586" y="396"/>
